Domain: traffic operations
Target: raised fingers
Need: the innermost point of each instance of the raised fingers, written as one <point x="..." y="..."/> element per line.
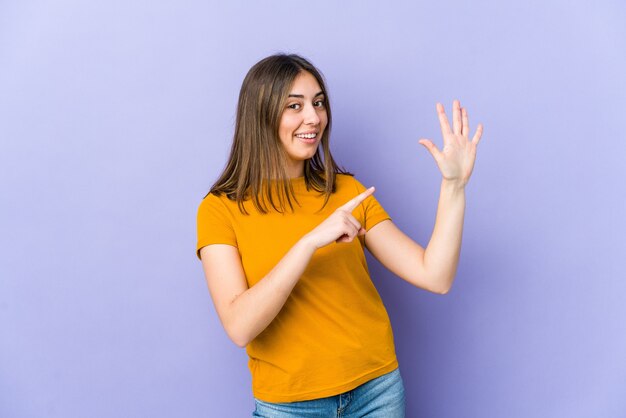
<point x="465" y="129"/>
<point x="478" y="134"/>
<point x="356" y="201"/>
<point x="443" y="121"/>
<point x="456" y="117"/>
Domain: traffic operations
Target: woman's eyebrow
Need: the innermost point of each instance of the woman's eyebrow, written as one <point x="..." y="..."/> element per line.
<point x="301" y="96"/>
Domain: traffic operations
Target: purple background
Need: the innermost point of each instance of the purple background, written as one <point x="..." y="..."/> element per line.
<point x="116" y="117"/>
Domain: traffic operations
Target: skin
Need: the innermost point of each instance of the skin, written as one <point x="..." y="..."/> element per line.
<point x="246" y="312"/>
<point x="305" y="112"/>
<point x="434" y="267"/>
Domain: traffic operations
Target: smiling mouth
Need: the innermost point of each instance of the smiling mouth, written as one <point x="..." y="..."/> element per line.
<point x="307" y="136"/>
<point x="310" y="138"/>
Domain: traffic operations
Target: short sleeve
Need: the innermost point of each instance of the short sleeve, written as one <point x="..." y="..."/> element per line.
<point x="374" y="213"/>
<point x="214" y="224"/>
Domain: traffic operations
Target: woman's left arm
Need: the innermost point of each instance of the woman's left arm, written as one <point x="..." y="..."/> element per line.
<point x="434" y="267"/>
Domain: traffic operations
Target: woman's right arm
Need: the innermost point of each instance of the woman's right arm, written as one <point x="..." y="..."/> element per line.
<point x="246" y="312"/>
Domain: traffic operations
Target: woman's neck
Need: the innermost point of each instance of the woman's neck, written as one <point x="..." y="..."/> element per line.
<point x="295" y="171"/>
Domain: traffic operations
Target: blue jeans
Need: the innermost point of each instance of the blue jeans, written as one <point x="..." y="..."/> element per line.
<point x="382" y="397"/>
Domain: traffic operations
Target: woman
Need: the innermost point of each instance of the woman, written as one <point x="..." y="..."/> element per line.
<point x="281" y="236"/>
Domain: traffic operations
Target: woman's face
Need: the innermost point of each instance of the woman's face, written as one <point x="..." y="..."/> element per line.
<point x="303" y="122"/>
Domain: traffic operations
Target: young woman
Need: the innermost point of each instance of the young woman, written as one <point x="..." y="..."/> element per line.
<point x="281" y="236"/>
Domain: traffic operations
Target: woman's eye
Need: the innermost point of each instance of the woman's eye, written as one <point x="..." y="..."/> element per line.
<point x="297" y="106"/>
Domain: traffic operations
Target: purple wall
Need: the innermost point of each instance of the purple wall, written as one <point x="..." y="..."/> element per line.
<point x="115" y="118"/>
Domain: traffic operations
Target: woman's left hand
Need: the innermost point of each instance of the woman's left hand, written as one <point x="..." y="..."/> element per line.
<point x="456" y="161"/>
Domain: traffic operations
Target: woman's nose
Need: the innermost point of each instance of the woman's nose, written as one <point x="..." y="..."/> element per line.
<point x="311" y="117"/>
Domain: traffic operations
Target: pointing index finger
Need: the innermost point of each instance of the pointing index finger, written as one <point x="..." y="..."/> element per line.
<point x="356" y="201"/>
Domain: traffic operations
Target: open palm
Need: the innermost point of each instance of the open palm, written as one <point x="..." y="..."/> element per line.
<point x="456" y="160"/>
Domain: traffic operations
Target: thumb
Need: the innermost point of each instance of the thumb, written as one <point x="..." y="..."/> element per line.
<point x="432" y="148"/>
<point x="362" y="231"/>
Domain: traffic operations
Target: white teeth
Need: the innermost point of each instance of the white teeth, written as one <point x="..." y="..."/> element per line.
<point x="309" y="136"/>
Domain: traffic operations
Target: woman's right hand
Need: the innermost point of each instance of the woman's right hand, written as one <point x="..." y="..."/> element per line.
<point x="341" y="226"/>
<point x="245" y="312"/>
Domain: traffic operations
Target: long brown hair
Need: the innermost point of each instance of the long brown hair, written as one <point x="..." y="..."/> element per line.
<point x="256" y="167"/>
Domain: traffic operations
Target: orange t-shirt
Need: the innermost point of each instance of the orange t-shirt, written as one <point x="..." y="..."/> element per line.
<point x="333" y="333"/>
